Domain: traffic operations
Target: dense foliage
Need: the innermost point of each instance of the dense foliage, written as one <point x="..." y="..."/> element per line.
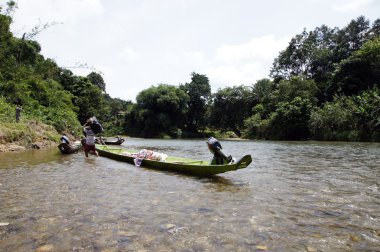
<point x="199" y="92"/>
<point x="49" y="93"/>
<point x="158" y="111"/>
<point x="230" y="106"/>
<point x="323" y="86"/>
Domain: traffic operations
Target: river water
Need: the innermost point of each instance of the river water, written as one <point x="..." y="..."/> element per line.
<point x="295" y="196"/>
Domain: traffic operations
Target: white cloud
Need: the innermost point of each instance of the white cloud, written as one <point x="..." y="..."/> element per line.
<point x="225" y="75"/>
<point x="246" y="74"/>
<point x="257" y="48"/>
<point x="129" y="55"/>
<point x="245" y="63"/>
<point x="68" y="11"/>
<point x="170" y="58"/>
<point x="351" y="5"/>
<point x="184" y="58"/>
<point x="194" y="58"/>
<point x="118" y="87"/>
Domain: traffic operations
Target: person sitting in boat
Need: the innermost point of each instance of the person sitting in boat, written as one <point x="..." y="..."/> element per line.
<point x="219" y="157"/>
<point x="65" y="139"/>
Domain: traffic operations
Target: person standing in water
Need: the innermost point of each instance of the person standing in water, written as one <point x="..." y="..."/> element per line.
<point x="90" y="139"/>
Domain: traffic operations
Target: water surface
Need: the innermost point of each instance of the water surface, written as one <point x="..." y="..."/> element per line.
<point x="295" y="196"/>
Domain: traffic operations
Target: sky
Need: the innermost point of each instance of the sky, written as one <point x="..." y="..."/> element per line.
<point x="135" y="44"/>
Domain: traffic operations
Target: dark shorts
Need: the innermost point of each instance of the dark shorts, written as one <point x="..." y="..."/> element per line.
<point x="88" y="148"/>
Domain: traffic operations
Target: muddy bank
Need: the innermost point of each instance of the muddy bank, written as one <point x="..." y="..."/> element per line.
<point x="26" y="135"/>
<point x="17" y="146"/>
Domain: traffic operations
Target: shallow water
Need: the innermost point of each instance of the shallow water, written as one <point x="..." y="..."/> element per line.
<point x="295" y="196"/>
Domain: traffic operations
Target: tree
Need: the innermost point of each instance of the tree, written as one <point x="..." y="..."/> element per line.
<point x="199" y="92"/>
<point x="25" y="51"/>
<point x="11" y="7"/>
<point x="290" y="120"/>
<point x="48" y="92"/>
<point x="374" y="32"/>
<point x="114" y="119"/>
<point x="89" y="99"/>
<point x="367" y="114"/>
<point x="67" y="79"/>
<point x="48" y="69"/>
<point x="6" y="60"/>
<point x="315" y="54"/>
<point x="306" y="55"/>
<point x="97" y="80"/>
<point x="309" y="56"/>
<point x="230" y="107"/>
<point x="158" y="111"/>
<point x="284" y="112"/>
<point x="262" y="89"/>
<point x="255" y="127"/>
<point x="287" y="90"/>
<point x="351" y="38"/>
<point x="333" y="121"/>
<point x="360" y="71"/>
<point x="296" y="87"/>
<point x="294" y="60"/>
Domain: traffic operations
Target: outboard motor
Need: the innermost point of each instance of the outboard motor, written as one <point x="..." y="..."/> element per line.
<point x="216" y="148"/>
<point x="64" y="139"/>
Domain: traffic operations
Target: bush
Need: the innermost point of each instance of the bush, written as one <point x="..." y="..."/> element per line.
<point x="333" y="121"/>
<point x="61" y="119"/>
<point x="290" y="120"/>
<point x="7" y="111"/>
<point x="354" y="118"/>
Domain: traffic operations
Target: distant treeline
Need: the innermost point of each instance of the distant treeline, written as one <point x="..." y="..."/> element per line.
<point x="322" y="86"/>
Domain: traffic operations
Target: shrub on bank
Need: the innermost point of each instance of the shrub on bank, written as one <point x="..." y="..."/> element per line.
<point x="27" y="132"/>
<point x="7" y="111"/>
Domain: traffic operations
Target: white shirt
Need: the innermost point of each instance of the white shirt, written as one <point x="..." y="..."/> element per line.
<point x="90" y="137"/>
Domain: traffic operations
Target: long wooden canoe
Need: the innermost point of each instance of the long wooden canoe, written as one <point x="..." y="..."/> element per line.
<point x="175" y="164"/>
<point x="117" y="141"/>
<point x="101" y="140"/>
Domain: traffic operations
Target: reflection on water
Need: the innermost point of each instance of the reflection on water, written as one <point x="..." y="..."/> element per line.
<point x="295" y="196"/>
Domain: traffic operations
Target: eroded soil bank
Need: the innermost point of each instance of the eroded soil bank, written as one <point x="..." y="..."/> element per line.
<point x="26" y="135"/>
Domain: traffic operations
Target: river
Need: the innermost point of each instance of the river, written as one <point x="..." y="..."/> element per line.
<point x="295" y="196"/>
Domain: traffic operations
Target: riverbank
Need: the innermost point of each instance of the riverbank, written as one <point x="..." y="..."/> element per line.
<point x="26" y="135"/>
<point x="30" y="134"/>
<point x="17" y="146"/>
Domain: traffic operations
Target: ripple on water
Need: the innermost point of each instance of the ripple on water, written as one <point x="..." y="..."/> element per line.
<point x="295" y="196"/>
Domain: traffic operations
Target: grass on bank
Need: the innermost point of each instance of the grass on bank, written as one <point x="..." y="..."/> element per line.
<point x="27" y="131"/>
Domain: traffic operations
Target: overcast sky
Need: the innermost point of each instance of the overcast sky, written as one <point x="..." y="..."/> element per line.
<point x="135" y="44"/>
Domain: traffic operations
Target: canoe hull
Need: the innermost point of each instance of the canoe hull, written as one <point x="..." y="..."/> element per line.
<point x="197" y="168"/>
<point x="119" y="142"/>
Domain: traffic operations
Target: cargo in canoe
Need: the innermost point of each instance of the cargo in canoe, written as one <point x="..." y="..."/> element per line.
<point x="175" y="164"/>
